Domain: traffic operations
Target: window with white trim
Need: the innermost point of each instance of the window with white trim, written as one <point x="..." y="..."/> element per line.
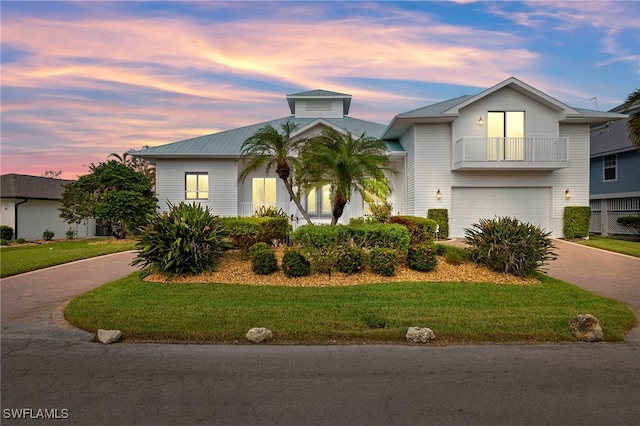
<point x="610" y="168"/>
<point x="263" y="192"/>
<point x="196" y="186"/>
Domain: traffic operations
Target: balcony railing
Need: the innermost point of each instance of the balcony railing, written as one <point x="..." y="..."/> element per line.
<point x="477" y="153"/>
<point x="250" y="209"/>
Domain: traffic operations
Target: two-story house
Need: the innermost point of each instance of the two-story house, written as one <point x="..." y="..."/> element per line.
<point x="510" y="150"/>
<point x="614" y="181"/>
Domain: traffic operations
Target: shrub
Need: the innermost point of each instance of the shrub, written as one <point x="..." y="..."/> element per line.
<point x="361" y="221"/>
<point x="508" y="245"/>
<point x="258" y="247"/>
<point x="441" y="249"/>
<point x="421" y="230"/>
<point x="20" y="240"/>
<point x="247" y="231"/>
<point x="48" y="235"/>
<point x="270" y="211"/>
<point x="274" y="228"/>
<point x="632" y="222"/>
<point x="243" y="232"/>
<point x="383" y="261"/>
<point x="294" y="264"/>
<point x="352" y="260"/>
<point x="576" y="221"/>
<point x="6" y="232"/>
<point x="71" y="234"/>
<point x="388" y="235"/>
<point x="381" y="212"/>
<point x="455" y="256"/>
<point x="264" y="262"/>
<point x="422" y="257"/>
<point x="187" y="239"/>
<point x="441" y="217"/>
<point x="320" y="244"/>
<point x="3" y="242"/>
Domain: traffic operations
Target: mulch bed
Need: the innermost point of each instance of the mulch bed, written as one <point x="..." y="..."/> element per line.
<point x="233" y="270"/>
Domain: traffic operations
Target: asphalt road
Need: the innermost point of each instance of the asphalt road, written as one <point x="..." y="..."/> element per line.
<point x="154" y="384"/>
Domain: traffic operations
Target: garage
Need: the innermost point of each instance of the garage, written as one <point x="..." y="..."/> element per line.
<point x="469" y="205"/>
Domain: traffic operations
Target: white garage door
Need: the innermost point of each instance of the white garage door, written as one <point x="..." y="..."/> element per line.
<point x="469" y="205"/>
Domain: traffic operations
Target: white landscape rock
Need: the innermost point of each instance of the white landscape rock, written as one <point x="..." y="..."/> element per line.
<point x="259" y="335"/>
<point x="420" y="335"/>
<point x="109" y="336"/>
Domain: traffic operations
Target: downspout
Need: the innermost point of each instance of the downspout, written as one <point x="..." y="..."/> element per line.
<point x="15" y="212"/>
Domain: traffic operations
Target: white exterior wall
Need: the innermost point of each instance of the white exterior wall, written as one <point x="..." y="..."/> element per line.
<point x="223" y="183"/>
<point x="540" y="121"/>
<point x="429" y="158"/>
<point x="407" y="142"/>
<point x="35" y="216"/>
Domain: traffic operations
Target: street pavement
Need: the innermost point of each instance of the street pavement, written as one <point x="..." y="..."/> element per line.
<point x="50" y="369"/>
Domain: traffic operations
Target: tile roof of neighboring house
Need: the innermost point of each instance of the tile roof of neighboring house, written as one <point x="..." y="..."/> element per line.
<point x="612" y="137"/>
<point x="228" y="143"/>
<point x="32" y="187"/>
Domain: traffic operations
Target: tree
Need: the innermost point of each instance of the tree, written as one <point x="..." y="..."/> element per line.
<point x="632" y="105"/>
<point x="138" y="164"/>
<point x="112" y="194"/>
<point x="349" y="165"/>
<point x="268" y="148"/>
<point x="51" y="173"/>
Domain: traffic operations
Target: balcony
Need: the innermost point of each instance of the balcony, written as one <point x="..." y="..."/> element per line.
<point x="480" y="153"/>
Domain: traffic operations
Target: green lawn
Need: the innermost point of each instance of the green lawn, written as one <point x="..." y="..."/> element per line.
<point x="19" y="258"/>
<point x="632" y="248"/>
<point x="456" y="312"/>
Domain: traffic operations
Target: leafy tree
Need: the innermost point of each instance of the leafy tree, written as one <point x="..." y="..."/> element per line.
<point x="113" y="193"/>
<point x="349" y="165"/>
<point x="632" y="105"/>
<point x="138" y="164"/>
<point x="51" y="173"/>
<point x="268" y="148"/>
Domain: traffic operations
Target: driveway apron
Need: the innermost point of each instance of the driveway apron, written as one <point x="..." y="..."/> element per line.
<point x="603" y="272"/>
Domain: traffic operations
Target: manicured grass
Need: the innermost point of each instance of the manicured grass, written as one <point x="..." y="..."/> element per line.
<point x="17" y="259"/>
<point x="632" y="248"/>
<point x="456" y="312"/>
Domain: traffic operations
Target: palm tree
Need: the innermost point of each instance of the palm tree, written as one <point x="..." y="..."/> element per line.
<point x="268" y="148"/>
<point x="632" y="105"/>
<point x="138" y="164"/>
<point x="349" y="165"/>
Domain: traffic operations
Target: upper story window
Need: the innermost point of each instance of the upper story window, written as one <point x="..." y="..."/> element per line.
<point x="505" y="135"/>
<point x="196" y="186"/>
<point x="610" y="167"/>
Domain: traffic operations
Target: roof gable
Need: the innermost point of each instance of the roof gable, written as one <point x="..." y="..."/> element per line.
<point x="520" y="87"/>
<point x="319" y="94"/>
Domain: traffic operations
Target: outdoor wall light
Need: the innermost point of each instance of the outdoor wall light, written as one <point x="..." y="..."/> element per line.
<point x="480" y="121"/>
<point x="438" y="194"/>
<point x="567" y="194"/>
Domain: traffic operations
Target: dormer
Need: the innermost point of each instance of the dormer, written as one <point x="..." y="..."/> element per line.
<point x="319" y="104"/>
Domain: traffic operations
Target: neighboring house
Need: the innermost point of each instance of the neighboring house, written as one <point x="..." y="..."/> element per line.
<point x="29" y="204"/>
<point x="508" y="151"/>
<point x="615" y="177"/>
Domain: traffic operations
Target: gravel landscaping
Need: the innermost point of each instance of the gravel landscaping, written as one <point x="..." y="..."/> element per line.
<point x="233" y="270"/>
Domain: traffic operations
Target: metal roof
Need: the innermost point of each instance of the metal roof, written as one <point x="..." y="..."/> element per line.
<point x="611" y="137"/>
<point x="228" y="143"/>
<point x="32" y="187"/>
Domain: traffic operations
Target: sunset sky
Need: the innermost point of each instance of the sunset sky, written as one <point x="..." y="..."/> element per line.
<point x="81" y="80"/>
